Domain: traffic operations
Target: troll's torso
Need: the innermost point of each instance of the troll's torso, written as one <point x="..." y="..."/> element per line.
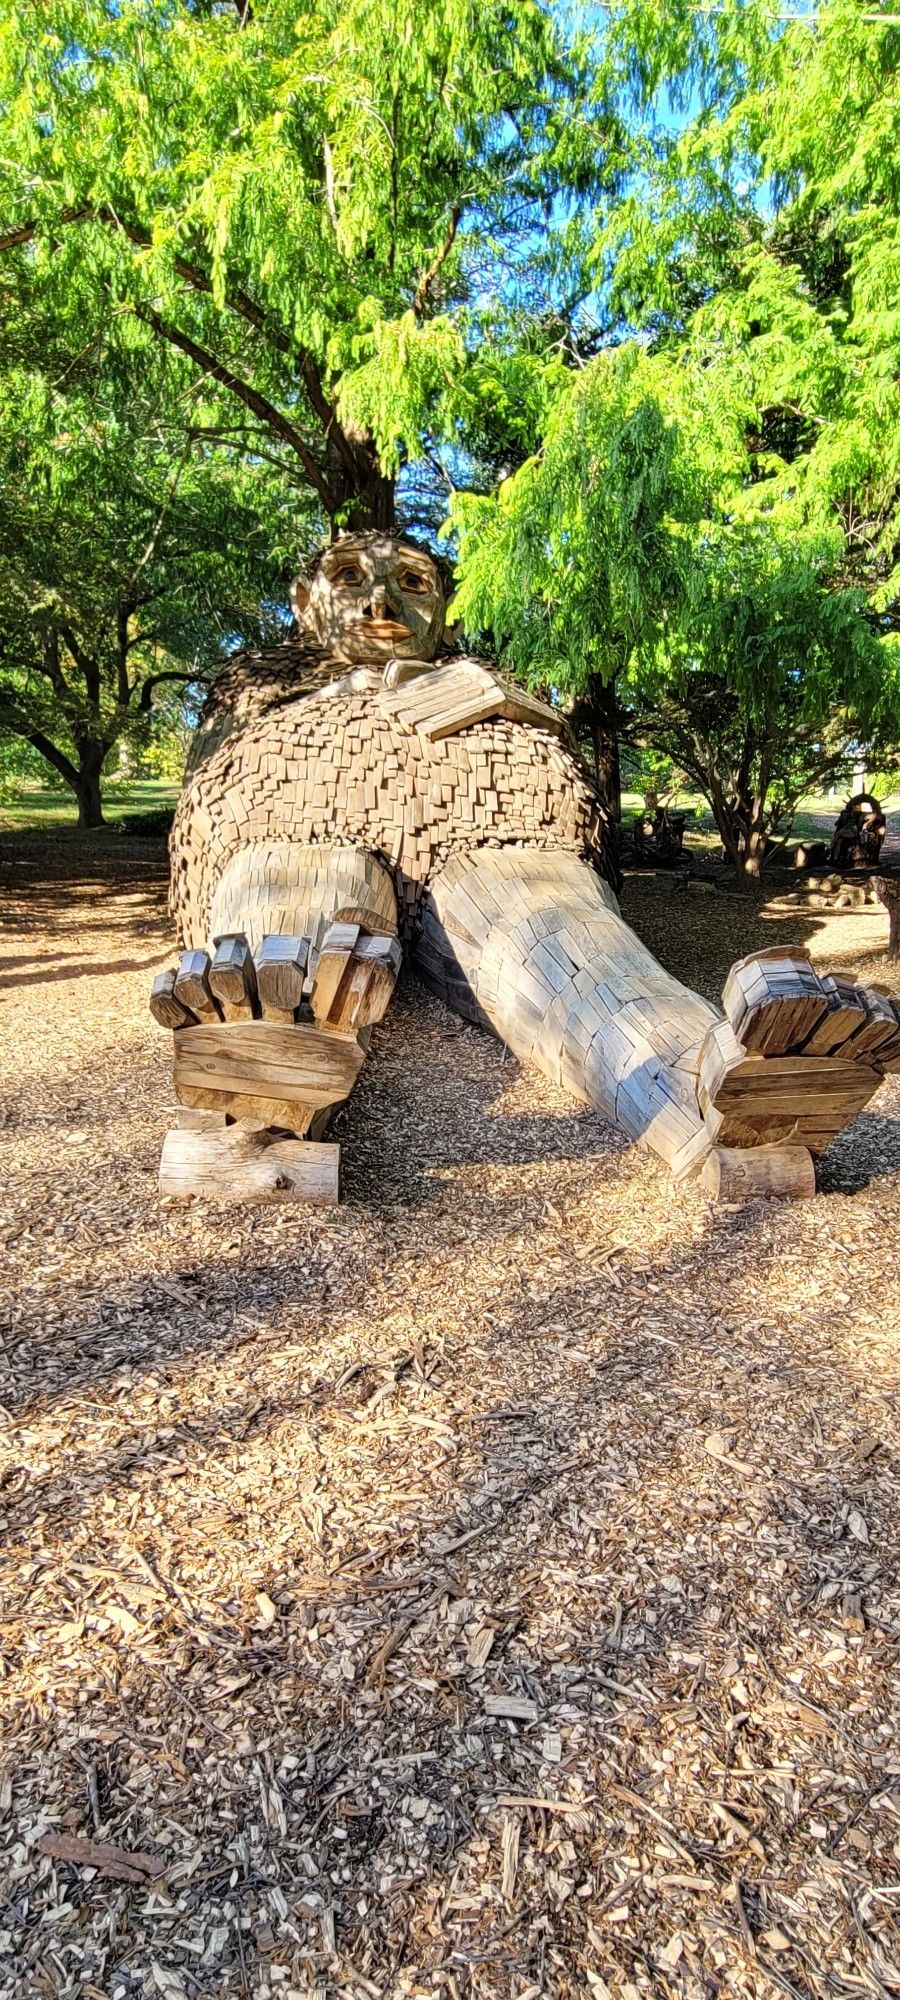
<point x="291" y="747"/>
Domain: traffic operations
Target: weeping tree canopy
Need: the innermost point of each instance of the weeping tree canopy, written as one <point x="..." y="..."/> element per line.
<point x="305" y="201"/>
<point x="709" y="521"/>
<point x="630" y="553"/>
<point x="133" y="552"/>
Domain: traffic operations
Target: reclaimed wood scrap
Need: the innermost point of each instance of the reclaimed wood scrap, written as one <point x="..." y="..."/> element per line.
<point x="281" y="886"/>
<point x="878" y="1039"/>
<point x="281" y="962"/>
<point x="165" y="1006"/>
<point x="233" y="1165"/>
<point x="556" y="1003"/>
<point x="845" y="1014"/>
<point x="232" y="978"/>
<point x="366" y="990"/>
<point x="773" y="1004"/>
<point x="745" y="1173"/>
<point x="192" y="986"/>
<point x="332" y="967"/>
<point x="303" y="1064"/>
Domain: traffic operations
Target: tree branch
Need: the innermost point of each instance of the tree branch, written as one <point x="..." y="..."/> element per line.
<point x="11" y="718"/>
<point x="428" y="277"/>
<point x="153" y="681"/>
<point x="245" y="393"/>
<point x="238" y="302"/>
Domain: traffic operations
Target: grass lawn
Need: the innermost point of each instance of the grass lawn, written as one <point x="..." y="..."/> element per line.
<point x="42" y="809"/>
<point x="701" y="831"/>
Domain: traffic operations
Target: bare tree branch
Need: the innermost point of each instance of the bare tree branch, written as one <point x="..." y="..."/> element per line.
<point x="428" y="277"/>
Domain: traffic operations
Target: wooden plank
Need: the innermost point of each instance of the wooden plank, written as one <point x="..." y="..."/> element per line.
<point x="164" y="1005"/>
<point x="232" y="977"/>
<point x="192" y="986"/>
<point x="304" y="1064"/>
<point x="239" y="1166"/>
<point x="732" y="1174"/>
<point x="281" y="962"/>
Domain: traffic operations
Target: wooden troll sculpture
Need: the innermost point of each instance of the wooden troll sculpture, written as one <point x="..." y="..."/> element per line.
<point x="360" y="792"/>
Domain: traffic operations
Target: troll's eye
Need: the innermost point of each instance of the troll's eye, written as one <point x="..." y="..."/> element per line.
<point x="348" y="573"/>
<point x="411" y="580"/>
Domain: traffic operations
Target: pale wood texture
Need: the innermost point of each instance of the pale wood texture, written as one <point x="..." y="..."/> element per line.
<point x="221" y="1068"/>
<point x="232" y="978"/>
<point x="355" y="977"/>
<point x="281" y="964"/>
<point x="354" y="773"/>
<point x="534" y="942"/>
<point x="234" y="1165"/>
<point x="787" y="1172"/>
<point x="281" y="887"/>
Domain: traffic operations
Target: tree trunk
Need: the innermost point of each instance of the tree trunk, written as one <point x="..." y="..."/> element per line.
<point x="86" y="785"/>
<point x="604" y="727"/>
<point x="364" y="495"/>
<point x="887" y="889"/>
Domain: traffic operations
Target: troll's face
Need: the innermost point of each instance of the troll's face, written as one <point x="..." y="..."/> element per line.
<point x="373" y="598"/>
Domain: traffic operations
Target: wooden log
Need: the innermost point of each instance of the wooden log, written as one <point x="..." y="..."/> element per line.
<point x="773" y="1004"/>
<point x="234" y="1165"/>
<point x="731" y="1174"/>
<point x="332" y="967"/>
<point x="281" y="962"/>
<point x="230" y="1067"/>
<point x="165" y="1007"/>
<point x="353" y="987"/>
<point x="192" y="986"/>
<point x="232" y="978"/>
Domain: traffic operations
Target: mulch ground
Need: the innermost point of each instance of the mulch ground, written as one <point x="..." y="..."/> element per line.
<point x="487" y="1588"/>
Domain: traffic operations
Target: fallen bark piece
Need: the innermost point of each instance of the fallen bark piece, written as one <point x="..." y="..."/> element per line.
<point x="119" y="1862"/>
<point x="235" y="1165"/>
<point x="732" y="1173"/>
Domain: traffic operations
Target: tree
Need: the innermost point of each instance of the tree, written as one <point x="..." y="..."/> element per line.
<point x="132" y="551"/>
<point x="627" y="560"/>
<point x="299" y="200"/>
<point x="767" y="689"/>
<point x="762" y="227"/>
<point x="575" y="562"/>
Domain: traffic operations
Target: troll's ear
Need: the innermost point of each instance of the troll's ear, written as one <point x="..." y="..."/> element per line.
<point x="299" y="599"/>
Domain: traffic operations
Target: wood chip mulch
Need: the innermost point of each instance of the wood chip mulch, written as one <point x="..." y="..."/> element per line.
<point x="487" y="1588"/>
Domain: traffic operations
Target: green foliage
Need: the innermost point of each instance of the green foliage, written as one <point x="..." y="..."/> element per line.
<point x="305" y="200"/>
<point x="578" y="553"/>
<point x="765" y="230"/>
<point x="133" y="549"/>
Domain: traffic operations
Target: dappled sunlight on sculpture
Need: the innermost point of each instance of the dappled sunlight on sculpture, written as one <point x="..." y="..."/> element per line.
<point x="361" y="793"/>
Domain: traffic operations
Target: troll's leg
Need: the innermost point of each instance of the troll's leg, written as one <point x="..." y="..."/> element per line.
<point x="533" y="941"/>
<point x="270" y="1022"/>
